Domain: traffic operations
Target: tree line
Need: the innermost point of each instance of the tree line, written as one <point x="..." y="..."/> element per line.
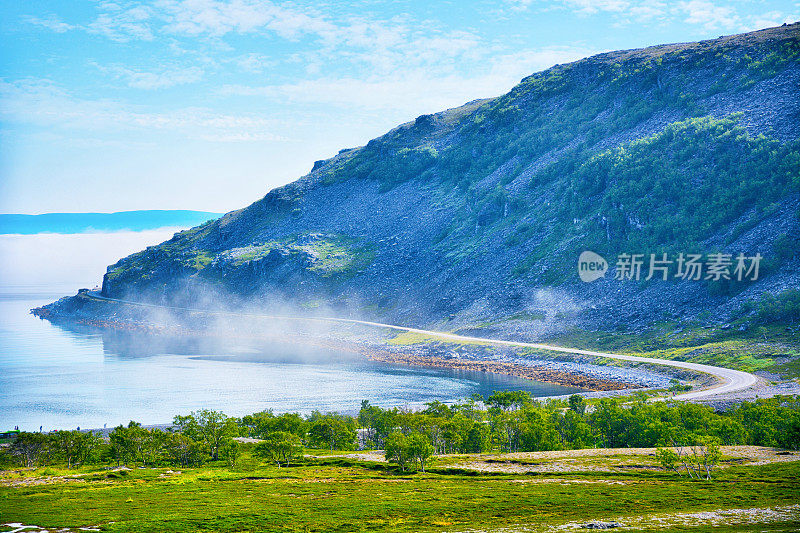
<point x="509" y="421"/>
<point x="514" y="422"/>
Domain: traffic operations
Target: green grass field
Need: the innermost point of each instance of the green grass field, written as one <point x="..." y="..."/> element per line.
<point x="344" y="494"/>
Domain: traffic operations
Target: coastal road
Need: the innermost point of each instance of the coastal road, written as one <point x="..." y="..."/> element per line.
<point x="728" y="380"/>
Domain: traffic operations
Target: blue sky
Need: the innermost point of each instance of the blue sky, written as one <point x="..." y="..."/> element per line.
<point x="209" y="104"/>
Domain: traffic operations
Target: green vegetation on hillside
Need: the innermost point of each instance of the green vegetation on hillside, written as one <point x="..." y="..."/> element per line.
<point x="326" y="255"/>
<point x="783" y="308"/>
<point x="561" y="115"/>
<point x="764" y="336"/>
<point x="665" y="192"/>
<point x="180" y="253"/>
<point x="662" y="194"/>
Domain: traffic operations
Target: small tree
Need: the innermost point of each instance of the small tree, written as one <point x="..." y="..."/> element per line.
<point x="183" y="450"/>
<point x="577" y="404"/>
<point x="65" y="444"/>
<point x="698" y="461"/>
<point x="30" y="448"/>
<point x="368" y="419"/>
<point x="332" y="431"/>
<point x="420" y="448"/>
<point x="291" y="423"/>
<point x="128" y="443"/>
<point x="509" y="400"/>
<point x="75" y="447"/>
<point x="668" y="459"/>
<point x="704" y="457"/>
<point x="210" y="427"/>
<point x="230" y="451"/>
<point x="154" y="442"/>
<point x="88" y="447"/>
<point x="397" y="450"/>
<point x="280" y="446"/>
<point x="261" y="424"/>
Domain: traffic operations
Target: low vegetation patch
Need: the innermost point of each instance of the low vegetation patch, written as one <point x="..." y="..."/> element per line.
<point x="313" y="496"/>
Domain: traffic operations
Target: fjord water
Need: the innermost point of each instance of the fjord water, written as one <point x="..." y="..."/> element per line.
<point x="67" y="376"/>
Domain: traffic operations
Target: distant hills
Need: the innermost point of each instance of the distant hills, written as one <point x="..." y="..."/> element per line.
<point x="86" y="222"/>
<point x="476" y="216"/>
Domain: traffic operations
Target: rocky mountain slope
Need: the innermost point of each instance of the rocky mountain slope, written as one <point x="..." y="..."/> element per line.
<point x="477" y="215"/>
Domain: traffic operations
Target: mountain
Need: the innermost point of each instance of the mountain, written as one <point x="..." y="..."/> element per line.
<point x="83" y="222"/>
<point x="476" y="216"/>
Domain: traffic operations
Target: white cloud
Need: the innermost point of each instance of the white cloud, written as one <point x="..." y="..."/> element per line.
<point x="709" y="15"/>
<point x="154" y="80"/>
<point x="42" y="103"/>
<point x="381" y="45"/>
<point x="357" y="41"/>
<point x="648" y="11"/>
<point x="416" y="90"/>
<point x="128" y="20"/>
<point x="769" y="20"/>
<point x="217" y="18"/>
<point x="237" y="137"/>
<point x="123" y="24"/>
<point x="586" y="7"/>
<point x="49" y="137"/>
<point x="253" y="62"/>
<point x="519" y="5"/>
<point x="590" y="7"/>
<point x="706" y="13"/>
<point x="50" y="22"/>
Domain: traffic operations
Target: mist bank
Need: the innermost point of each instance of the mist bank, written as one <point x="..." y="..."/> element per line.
<point x="275" y="323"/>
<point x="65" y="262"/>
<point x="67" y="375"/>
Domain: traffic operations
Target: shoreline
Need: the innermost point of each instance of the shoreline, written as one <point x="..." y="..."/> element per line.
<point x="541" y="375"/>
<point x="722" y="380"/>
<point x="372" y="350"/>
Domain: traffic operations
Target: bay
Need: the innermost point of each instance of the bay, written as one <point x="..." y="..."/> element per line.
<point x="61" y="377"/>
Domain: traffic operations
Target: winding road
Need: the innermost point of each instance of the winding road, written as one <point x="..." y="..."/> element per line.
<point x="728" y="380"/>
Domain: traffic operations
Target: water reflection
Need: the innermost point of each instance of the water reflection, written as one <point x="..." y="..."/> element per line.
<point x="69" y="375"/>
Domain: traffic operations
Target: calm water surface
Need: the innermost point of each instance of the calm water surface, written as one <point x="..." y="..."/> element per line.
<point x="65" y="377"/>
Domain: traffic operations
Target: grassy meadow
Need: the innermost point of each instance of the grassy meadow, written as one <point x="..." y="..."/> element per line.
<point x="324" y="492"/>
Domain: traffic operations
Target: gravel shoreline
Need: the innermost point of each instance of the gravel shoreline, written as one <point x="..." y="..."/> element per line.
<point x="599" y="380"/>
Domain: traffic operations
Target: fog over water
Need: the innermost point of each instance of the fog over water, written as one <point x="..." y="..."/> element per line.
<point x="66" y="377"/>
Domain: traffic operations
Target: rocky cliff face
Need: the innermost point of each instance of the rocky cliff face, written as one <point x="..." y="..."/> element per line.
<point x="479" y="214"/>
